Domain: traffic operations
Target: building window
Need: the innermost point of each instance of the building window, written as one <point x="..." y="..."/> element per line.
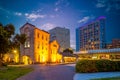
<point x="55" y="45"/>
<point x="27" y="44"/>
<point x="38" y="46"/>
<point x="42" y="37"/>
<point x="38" y="35"/>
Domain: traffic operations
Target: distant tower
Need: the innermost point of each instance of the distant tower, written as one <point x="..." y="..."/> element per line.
<point x="62" y="35"/>
<point x="91" y="36"/>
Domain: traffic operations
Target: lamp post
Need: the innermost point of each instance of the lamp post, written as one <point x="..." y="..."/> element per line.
<point x="15" y="51"/>
<point x="16" y="55"/>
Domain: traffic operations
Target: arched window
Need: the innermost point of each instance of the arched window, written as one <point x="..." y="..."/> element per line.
<point x="27" y="43"/>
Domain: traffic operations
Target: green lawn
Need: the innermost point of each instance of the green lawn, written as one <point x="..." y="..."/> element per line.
<point x="113" y="78"/>
<point x="11" y="73"/>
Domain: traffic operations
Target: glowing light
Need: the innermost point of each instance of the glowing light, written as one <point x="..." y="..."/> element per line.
<point x="94" y="57"/>
<point x="14" y="51"/>
<point x="83" y="52"/>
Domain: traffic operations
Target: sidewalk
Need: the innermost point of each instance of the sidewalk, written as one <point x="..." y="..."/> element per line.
<point x="88" y="76"/>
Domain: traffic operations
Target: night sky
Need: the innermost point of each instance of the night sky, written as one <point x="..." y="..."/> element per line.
<point x="47" y="14"/>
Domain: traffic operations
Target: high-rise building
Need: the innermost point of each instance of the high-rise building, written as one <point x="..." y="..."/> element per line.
<point x="62" y="35"/>
<point x="91" y="35"/>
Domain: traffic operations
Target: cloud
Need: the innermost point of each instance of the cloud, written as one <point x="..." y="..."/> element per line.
<point x="111" y="6"/>
<point x="4" y="10"/>
<point x="84" y="19"/>
<point x="73" y="43"/>
<point x="73" y="46"/>
<point x="52" y="16"/>
<point x="18" y="13"/>
<point x="47" y="26"/>
<point x="26" y="14"/>
<point x="101" y="3"/>
<point x="60" y="4"/>
<point x="56" y="9"/>
<point x="34" y="16"/>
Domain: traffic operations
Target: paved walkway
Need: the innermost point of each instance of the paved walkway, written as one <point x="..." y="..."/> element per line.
<point x="88" y="76"/>
<point x="63" y="72"/>
<point x="50" y="72"/>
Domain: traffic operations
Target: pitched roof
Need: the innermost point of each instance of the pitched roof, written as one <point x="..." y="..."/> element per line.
<point x="28" y="24"/>
<point x="33" y="26"/>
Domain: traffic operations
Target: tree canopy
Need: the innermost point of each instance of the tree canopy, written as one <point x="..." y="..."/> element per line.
<point x="6" y="33"/>
<point x="68" y="51"/>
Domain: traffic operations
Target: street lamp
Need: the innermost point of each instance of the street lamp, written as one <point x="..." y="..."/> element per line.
<point x="14" y="51"/>
<point x="16" y="56"/>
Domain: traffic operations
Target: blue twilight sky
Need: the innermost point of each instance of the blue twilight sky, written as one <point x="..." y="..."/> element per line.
<point x="47" y="14"/>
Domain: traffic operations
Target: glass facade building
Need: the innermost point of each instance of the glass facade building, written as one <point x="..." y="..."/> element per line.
<point x="91" y="36"/>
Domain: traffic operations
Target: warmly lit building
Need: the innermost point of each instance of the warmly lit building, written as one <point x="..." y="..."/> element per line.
<point x="36" y="47"/>
<point x="116" y="43"/>
<point x="54" y="56"/>
<point x="91" y="35"/>
<point x="12" y="57"/>
<point x="110" y="54"/>
<point x="62" y="35"/>
<point x="108" y="46"/>
<point x="68" y="57"/>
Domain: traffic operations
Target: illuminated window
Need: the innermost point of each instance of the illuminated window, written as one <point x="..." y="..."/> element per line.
<point x="27" y="44"/>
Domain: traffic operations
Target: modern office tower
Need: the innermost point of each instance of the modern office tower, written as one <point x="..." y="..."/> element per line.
<point x="36" y="47"/>
<point x="91" y="35"/>
<point x="62" y="35"/>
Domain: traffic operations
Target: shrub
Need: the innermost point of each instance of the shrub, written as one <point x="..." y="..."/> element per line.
<point x="87" y="66"/>
<point x="4" y="64"/>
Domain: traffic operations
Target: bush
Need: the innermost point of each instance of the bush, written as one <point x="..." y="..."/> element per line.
<point x="88" y="66"/>
<point x="4" y="64"/>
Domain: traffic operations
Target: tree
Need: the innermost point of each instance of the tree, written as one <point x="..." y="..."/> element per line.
<point x="5" y="36"/>
<point x="68" y="51"/>
<point x="10" y="30"/>
<point x="19" y="39"/>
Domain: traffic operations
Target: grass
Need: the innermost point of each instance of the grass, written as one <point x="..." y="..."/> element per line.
<point x="12" y="73"/>
<point x="113" y="78"/>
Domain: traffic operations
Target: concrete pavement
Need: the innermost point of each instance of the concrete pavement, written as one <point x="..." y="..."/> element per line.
<point x="89" y="76"/>
<point x="50" y="72"/>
